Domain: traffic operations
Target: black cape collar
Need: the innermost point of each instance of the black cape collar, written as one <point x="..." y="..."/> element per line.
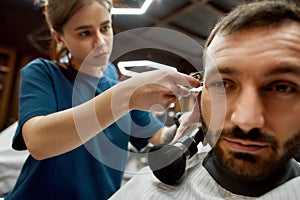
<point x="252" y="189"/>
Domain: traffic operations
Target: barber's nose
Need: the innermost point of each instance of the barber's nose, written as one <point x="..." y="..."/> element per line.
<point x="99" y="40"/>
<point x="248" y="111"/>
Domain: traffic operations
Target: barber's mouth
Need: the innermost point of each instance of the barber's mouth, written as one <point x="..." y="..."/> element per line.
<point x="245" y="146"/>
<point x="101" y="55"/>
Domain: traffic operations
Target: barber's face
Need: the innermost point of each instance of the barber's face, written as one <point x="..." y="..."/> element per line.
<point x="257" y="74"/>
<point x="88" y="35"/>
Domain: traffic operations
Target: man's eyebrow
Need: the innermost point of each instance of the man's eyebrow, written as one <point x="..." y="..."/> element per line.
<point x="285" y="70"/>
<point x="89" y="26"/>
<point x="221" y="70"/>
<point x="278" y="71"/>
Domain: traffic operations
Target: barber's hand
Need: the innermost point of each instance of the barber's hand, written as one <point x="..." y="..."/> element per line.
<point x="156" y="90"/>
<point x="188" y="122"/>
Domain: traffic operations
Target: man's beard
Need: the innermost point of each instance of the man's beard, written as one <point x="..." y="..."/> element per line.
<point x="249" y="167"/>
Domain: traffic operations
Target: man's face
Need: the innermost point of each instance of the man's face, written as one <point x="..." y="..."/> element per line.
<point x="251" y="99"/>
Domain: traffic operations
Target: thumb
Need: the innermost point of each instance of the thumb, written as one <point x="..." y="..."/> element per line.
<point x="184" y="129"/>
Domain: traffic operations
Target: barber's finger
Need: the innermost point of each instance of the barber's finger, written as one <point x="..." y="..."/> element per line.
<point x="187" y="80"/>
<point x="182" y="91"/>
<point x="184" y="130"/>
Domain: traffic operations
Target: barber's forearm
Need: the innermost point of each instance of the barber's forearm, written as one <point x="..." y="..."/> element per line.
<point x="60" y="132"/>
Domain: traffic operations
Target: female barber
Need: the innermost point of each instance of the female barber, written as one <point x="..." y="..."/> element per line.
<point x="75" y="120"/>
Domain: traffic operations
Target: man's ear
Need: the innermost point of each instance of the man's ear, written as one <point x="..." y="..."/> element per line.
<point x="57" y="37"/>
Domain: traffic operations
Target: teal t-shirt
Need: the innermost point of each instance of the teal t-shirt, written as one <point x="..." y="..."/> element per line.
<point x="91" y="171"/>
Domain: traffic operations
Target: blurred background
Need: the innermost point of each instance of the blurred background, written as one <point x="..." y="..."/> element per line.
<point x="24" y="36"/>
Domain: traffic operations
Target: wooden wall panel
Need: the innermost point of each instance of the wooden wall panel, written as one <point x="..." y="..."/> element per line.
<point x="7" y="59"/>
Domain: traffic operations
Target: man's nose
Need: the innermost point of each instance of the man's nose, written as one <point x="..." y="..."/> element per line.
<point x="248" y="111"/>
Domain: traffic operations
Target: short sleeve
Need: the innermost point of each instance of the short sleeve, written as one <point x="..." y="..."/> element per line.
<point x="36" y="97"/>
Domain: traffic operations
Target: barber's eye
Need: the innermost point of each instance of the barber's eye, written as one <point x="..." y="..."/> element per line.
<point x="84" y="33"/>
<point x="105" y="29"/>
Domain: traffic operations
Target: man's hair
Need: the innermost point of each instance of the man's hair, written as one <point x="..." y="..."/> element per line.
<point x="253" y="15"/>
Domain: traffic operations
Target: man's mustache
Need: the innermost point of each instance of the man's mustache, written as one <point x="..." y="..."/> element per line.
<point x="253" y="135"/>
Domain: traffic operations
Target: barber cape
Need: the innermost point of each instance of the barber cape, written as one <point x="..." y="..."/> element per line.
<point x="196" y="185"/>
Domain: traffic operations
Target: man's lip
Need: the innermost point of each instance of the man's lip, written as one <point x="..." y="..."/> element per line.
<point x="245" y="146"/>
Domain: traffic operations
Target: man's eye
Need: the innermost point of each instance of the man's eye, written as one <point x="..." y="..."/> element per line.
<point x="218" y="86"/>
<point x="221" y="84"/>
<point x="280" y="88"/>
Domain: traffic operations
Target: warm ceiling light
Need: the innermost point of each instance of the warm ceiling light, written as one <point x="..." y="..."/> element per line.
<point x="132" y="11"/>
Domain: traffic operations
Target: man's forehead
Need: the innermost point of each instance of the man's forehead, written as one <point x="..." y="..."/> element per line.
<point x="287" y="29"/>
<point x="256" y="44"/>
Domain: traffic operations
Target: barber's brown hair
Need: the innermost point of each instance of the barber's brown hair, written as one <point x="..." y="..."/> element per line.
<point x="257" y="14"/>
<point x="58" y="13"/>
